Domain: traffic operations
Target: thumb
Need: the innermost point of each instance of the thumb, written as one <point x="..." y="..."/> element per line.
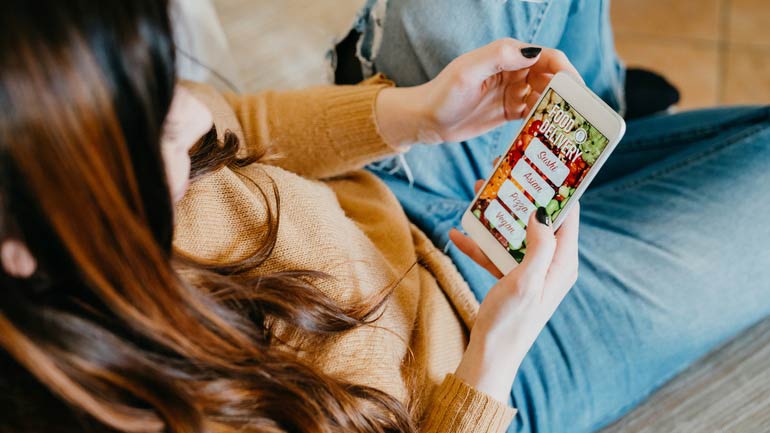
<point x="541" y="244"/>
<point x="501" y="55"/>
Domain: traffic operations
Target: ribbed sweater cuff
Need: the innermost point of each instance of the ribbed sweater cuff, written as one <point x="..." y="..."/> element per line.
<point x="458" y="407"/>
<point x="350" y="118"/>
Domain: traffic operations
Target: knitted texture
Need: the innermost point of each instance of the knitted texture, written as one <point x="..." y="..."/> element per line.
<point x="337" y="218"/>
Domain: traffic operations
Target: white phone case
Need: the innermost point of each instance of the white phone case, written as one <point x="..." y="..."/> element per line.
<point x="594" y="111"/>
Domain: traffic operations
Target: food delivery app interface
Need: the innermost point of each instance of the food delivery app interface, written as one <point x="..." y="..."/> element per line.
<point x="550" y="157"/>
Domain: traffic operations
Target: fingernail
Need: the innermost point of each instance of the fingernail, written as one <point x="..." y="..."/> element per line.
<point x="543" y="217"/>
<point x="531" y="52"/>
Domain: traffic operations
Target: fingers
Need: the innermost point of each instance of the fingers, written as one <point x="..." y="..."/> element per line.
<point x="477" y="186"/>
<point x="564" y="268"/>
<point x="532" y="99"/>
<point x="568" y="232"/>
<point x="538" y="76"/>
<point x="515" y="104"/>
<point x="469" y="247"/>
<point x="552" y="61"/>
<point x="498" y="56"/>
<point x="539" y="81"/>
<point x="515" y="108"/>
<point x="541" y="245"/>
<point x="515" y="94"/>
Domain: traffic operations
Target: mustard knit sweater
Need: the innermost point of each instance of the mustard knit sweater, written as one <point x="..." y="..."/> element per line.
<point x="336" y="217"/>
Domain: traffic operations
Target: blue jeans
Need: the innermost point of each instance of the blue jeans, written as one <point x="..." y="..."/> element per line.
<point x="674" y="239"/>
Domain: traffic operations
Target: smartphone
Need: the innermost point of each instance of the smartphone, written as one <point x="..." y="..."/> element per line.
<point x="560" y="147"/>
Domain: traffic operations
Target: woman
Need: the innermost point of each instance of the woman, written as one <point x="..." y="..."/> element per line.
<point x="292" y="303"/>
<point x="299" y="297"/>
<point x="673" y="248"/>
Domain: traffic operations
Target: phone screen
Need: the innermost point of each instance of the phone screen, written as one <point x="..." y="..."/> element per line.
<point x="548" y="160"/>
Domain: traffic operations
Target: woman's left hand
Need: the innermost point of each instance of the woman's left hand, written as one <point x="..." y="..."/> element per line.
<point x="475" y="93"/>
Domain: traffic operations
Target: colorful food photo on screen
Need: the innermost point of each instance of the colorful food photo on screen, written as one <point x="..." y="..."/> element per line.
<point x="547" y="161"/>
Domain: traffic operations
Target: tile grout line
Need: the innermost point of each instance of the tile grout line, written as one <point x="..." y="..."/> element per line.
<point x="725" y="7"/>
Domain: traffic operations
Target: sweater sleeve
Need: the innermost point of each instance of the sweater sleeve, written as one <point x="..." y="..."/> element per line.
<point x="456" y="407"/>
<point x="319" y="132"/>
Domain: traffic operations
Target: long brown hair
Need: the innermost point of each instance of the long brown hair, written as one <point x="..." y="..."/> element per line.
<point x="106" y="335"/>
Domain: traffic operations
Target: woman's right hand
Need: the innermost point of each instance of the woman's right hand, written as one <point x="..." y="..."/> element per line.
<point x="518" y="307"/>
<point x="476" y="92"/>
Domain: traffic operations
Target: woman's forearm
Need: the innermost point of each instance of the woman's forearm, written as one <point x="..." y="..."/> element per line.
<point x="489" y="366"/>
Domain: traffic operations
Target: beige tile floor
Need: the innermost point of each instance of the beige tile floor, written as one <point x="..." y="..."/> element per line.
<point x="715" y="51"/>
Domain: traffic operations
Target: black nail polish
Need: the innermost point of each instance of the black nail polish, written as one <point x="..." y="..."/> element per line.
<point x="543" y="217"/>
<point x="531" y="52"/>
